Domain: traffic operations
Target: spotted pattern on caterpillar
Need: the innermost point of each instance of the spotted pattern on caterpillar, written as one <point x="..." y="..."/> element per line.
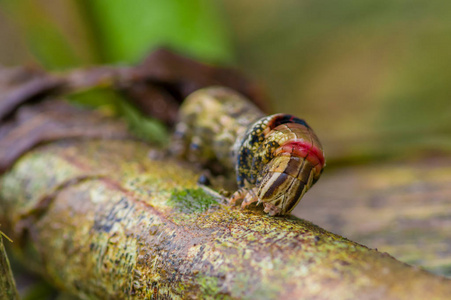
<point x="276" y="158"/>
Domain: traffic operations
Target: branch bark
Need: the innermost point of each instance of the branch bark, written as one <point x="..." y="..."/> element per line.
<point x="101" y="219"/>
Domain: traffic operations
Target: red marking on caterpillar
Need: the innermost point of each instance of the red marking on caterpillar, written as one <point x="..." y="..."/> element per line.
<point x="304" y="149"/>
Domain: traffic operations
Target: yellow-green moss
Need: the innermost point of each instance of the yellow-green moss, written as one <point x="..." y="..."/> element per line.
<point x="191" y="200"/>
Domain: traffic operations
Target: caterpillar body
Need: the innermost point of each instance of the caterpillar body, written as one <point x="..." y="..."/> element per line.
<point x="276" y="158"/>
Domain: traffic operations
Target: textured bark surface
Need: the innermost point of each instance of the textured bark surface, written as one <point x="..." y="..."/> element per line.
<point x="101" y="219"/>
<point x="402" y="208"/>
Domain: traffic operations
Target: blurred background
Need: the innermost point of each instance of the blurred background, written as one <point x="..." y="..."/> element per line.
<point x="372" y="77"/>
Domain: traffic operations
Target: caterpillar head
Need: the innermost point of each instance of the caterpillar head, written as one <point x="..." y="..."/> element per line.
<point x="286" y="160"/>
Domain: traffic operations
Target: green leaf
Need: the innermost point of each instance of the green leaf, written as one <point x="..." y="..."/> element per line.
<point x="63" y="34"/>
<point x="127" y="30"/>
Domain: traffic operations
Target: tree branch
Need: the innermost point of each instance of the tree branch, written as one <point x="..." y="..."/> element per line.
<point x="101" y="219"/>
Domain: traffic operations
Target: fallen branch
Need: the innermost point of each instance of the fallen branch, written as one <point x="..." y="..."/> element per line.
<point x="100" y="219"/>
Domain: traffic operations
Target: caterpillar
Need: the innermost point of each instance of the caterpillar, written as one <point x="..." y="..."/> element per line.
<point x="275" y="158"/>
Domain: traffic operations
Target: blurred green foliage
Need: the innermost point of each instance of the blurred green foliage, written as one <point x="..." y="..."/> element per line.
<point x="127" y="30"/>
<point x="71" y="33"/>
<point x="55" y="32"/>
<point x="371" y="76"/>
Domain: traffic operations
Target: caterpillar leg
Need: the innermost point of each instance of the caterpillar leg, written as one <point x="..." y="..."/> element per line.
<point x="271" y="209"/>
<point x="245" y="196"/>
<point x="238" y="196"/>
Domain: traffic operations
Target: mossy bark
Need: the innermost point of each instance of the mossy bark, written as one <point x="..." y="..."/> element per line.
<point x="400" y="207"/>
<point x="101" y="219"/>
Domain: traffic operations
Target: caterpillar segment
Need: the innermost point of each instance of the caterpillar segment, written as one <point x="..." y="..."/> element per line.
<point x="276" y="158"/>
<point x="278" y="161"/>
<point x="210" y="122"/>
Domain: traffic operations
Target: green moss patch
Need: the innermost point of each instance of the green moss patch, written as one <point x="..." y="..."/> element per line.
<point x="191" y="200"/>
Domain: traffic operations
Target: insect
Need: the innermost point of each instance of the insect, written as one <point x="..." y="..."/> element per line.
<point x="279" y="159"/>
<point x="275" y="158"/>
